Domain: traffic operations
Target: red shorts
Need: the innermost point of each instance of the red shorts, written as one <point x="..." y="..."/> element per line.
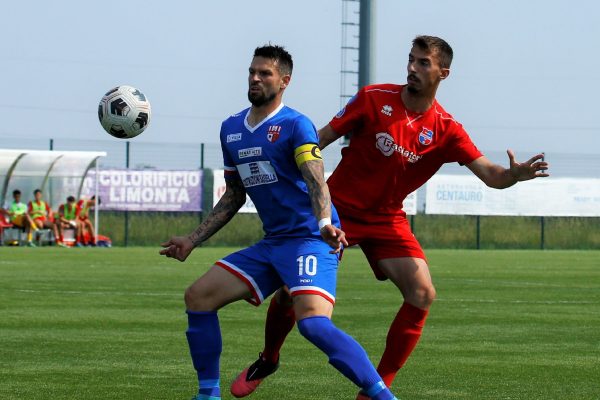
<point x="381" y="238"/>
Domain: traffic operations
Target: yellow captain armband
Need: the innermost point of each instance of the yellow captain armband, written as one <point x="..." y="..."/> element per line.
<point x="307" y="152"/>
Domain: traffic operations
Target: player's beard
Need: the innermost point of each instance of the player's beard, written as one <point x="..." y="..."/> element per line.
<point x="260" y="99"/>
<point x="412" y="79"/>
<point x="412" y="89"/>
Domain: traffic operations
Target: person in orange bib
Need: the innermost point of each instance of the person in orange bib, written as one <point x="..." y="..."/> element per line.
<point x="83" y="218"/>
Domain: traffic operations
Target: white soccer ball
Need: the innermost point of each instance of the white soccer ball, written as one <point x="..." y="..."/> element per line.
<point x="124" y="112"/>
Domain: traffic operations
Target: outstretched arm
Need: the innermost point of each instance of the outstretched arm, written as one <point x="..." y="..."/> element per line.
<point x="320" y="199"/>
<point x="327" y="136"/>
<point x="180" y="247"/>
<point x="498" y="177"/>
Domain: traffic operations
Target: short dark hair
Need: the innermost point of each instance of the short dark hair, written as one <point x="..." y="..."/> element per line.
<point x="16" y="192"/>
<point x="36" y="191"/>
<point x="285" y="65"/>
<point x="436" y="45"/>
<point x="70" y="199"/>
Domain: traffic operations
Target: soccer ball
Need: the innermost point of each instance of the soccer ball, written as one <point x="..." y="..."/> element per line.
<point x="124" y="112"/>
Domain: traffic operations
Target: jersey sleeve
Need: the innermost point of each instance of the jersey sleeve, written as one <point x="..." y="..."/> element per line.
<point x="351" y="117"/>
<point x="305" y="141"/>
<point x="230" y="170"/>
<point x="462" y="149"/>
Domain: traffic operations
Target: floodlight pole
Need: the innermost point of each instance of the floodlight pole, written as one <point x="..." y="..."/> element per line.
<point x="366" y="43"/>
<point x="97" y="205"/>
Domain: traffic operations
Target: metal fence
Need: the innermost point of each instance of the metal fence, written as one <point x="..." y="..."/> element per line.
<point x="142" y="155"/>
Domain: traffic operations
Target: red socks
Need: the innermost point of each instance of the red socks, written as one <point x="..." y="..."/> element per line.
<point x="402" y="338"/>
<point x="280" y="321"/>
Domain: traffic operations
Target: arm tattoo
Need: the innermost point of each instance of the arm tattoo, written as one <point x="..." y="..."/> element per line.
<point x="233" y="199"/>
<point x="312" y="172"/>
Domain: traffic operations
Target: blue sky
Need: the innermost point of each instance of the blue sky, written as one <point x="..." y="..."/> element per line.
<point x="524" y="76"/>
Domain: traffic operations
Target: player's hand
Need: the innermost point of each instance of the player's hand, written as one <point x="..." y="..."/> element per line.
<point x="532" y="168"/>
<point x="178" y="247"/>
<point x="334" y="237"/>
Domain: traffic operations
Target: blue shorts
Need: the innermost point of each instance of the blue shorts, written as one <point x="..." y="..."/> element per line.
<point x="303" y="265"/>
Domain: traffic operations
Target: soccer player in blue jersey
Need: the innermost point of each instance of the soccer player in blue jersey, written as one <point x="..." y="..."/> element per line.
<point x="271" y="153"/>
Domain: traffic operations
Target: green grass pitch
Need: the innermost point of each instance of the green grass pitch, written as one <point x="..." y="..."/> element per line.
<point x="109" y="324"/>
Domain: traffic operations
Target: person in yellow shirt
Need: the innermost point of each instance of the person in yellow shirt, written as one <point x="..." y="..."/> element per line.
<point x="67" y="217"/>
<point x="17" y="215"/>
<point x="42" y="216"/>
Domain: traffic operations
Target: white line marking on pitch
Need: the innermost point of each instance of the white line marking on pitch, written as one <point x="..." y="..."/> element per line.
<point x="99" y="293"/>
<point x="519" y="301"/>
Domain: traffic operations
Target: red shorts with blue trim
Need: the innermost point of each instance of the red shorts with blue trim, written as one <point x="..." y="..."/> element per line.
<point x="380" y="238"/>
<point x="304" y="265"/>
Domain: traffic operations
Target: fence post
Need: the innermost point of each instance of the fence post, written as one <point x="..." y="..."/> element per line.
<point x="126" y="228"/>
<point x="412" y="224"/>
<point x="201" y="155"/>
<point x="478" y="234"/>
<point x="542" y="233"/>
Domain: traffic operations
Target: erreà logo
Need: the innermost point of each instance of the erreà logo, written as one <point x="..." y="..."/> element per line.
<point x="273" y="133"/>
<point x="386" y="144"/>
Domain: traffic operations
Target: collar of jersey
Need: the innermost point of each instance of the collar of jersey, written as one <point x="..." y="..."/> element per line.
<point x="268" y="117"/>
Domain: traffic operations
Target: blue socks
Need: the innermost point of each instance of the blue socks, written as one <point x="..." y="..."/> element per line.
<point x="346" y="355"/>
<point x="204" y="339"/>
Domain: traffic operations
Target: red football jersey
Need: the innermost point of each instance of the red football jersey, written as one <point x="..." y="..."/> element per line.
<point x="393" y="151"/>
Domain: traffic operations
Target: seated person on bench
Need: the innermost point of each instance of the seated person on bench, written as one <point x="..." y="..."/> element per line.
<point x="17" y="215"/>
<point x="42" y="215"/>
<point x="83" y="216"/>
<point x="67" y="217"/>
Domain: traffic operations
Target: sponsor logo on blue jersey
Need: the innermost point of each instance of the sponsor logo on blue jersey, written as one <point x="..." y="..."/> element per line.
<point x="250" y="152"/>
<point x="257" y="173"/>
<point x="426" y="136"/>
<point x="234" y="137"/>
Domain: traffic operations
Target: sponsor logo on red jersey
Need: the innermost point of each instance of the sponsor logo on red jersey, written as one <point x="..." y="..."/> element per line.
<point x="386" y="144"/>
<point x="273" y="133"/>
<point x="426" y="136"/>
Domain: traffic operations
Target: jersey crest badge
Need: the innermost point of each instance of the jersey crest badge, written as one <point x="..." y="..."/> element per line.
<point x="273" y="133"/>
<point x="426" y="136"/>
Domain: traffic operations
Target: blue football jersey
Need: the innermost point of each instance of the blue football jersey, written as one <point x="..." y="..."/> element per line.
<point x="263" y="158"/>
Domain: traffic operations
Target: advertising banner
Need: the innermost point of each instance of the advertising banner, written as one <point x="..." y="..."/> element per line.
<point x="219" y="190"/>
<point x="146" y="190"/>
<point x="467" y="195"/>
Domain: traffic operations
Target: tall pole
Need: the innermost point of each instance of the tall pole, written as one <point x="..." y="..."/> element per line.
<point x="126" y="211"/>
<point x="366" y="43"/>
<point x="97" y="205"/>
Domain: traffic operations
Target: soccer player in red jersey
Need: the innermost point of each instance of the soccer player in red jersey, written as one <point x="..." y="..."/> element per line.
<point x="400" y="137"/>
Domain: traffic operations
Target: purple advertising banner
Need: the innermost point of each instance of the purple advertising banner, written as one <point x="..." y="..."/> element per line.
<point x="146" y="190"/>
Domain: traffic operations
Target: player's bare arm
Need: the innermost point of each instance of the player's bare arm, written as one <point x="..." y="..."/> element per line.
<point x="498" y="177"/>
<point x="313" y="174"/>
<point x="326" y="136"/>
<point x="180" y="247"/>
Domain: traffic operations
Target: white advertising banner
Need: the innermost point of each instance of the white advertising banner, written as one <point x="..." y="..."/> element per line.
<point x="409" y="205"/>
<point x="219" y="190"/>
<point x="467" y="195"/>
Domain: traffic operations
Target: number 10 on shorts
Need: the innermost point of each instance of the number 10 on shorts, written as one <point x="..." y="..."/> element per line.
<point x="307" y="265"/>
